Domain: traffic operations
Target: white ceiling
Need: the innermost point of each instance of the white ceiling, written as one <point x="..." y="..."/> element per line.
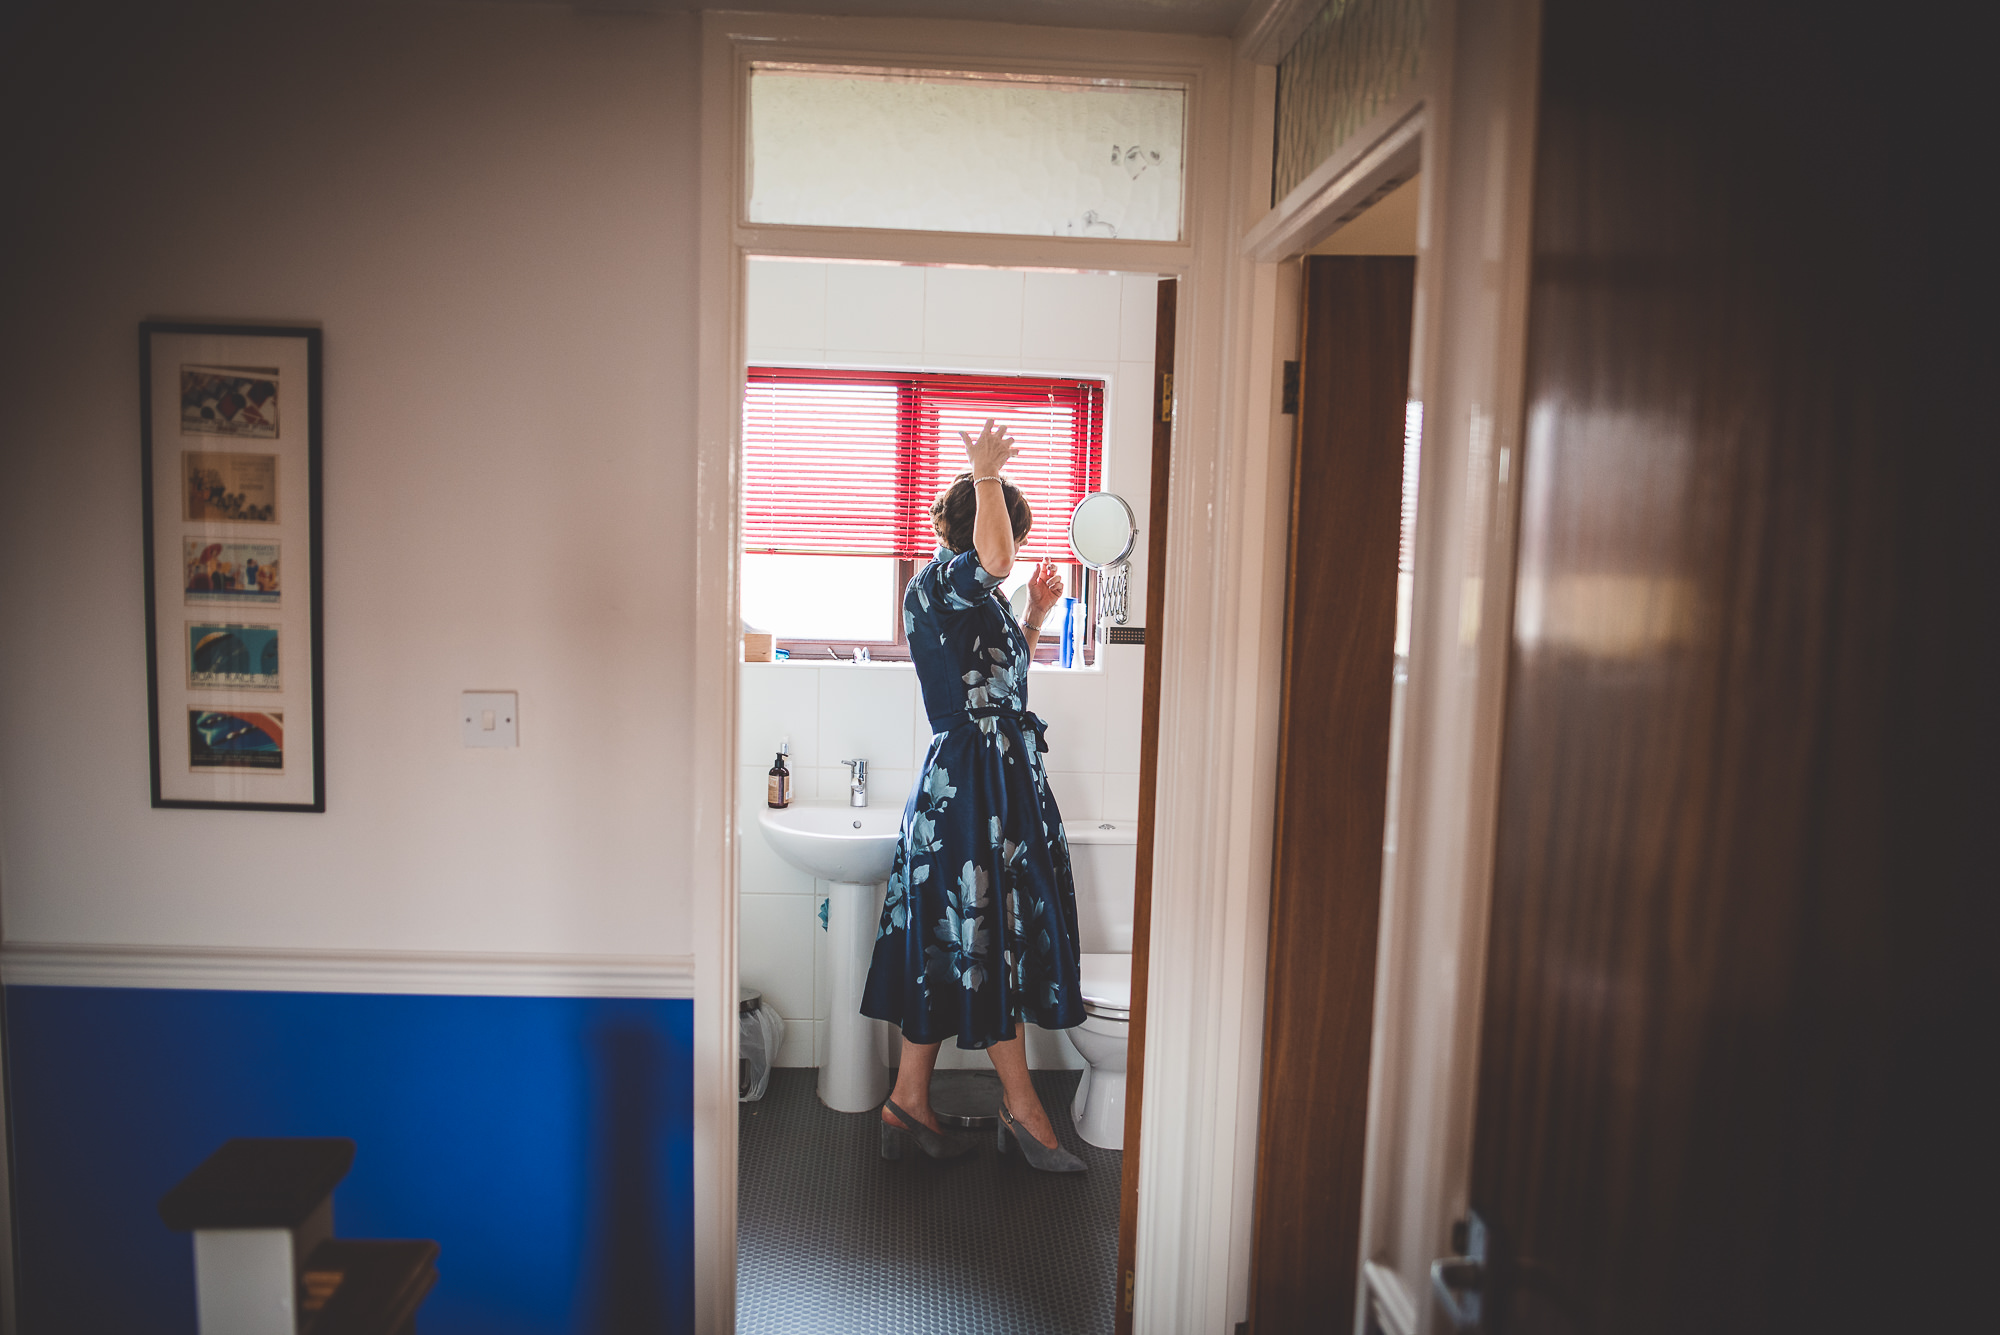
<point x="1215" y="18"/>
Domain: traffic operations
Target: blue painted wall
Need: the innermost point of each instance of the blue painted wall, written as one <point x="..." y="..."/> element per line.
<point x="545" y="1143"/>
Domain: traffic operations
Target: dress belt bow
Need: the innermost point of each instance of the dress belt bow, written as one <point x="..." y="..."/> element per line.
<point x="1030" y="722"/>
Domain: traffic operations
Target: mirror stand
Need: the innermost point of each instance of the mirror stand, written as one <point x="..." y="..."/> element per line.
<point x="1102" y="533"/>
<point x="1111" y="606"/>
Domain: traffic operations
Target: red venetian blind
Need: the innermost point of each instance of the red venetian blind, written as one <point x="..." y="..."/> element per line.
<point x="848" y="462"/>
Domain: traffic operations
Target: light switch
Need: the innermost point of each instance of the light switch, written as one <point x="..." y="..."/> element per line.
<point x="490" y="718"/>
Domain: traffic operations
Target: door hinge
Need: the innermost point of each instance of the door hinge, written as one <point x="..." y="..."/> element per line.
<point x="1167" y="397"/>
<point x="1130" y="1280"/>
<point x="1289" y="401"/>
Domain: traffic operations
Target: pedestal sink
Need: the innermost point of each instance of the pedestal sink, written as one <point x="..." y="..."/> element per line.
<point x="852" y="847"/>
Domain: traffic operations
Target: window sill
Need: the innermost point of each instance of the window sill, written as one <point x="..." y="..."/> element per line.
<point x="901" y="664"/>
<point x="1034" y="669"/>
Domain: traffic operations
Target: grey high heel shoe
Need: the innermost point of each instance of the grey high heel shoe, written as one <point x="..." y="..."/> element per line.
<point x="938" y="1145"/>
<point x="1038" y="1155"/>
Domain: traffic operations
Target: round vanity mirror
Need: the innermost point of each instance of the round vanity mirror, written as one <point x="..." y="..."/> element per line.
<point x="1102" y="530"/>
<point x="1019" y="602"/>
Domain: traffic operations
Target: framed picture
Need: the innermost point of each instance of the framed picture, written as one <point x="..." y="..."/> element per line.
<point x="229" y="430"/>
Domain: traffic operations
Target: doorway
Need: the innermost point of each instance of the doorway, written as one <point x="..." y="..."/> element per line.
<point x="1346" y="315"/>
<point x="1194" y="792"/>
<point x="1352" y="468"/>
<point x="860" y="376"/>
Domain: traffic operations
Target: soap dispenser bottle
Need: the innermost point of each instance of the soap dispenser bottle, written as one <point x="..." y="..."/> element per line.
<point x="780" y="795"/>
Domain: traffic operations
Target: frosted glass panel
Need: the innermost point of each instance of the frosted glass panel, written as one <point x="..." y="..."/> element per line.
<point x="942" y="152"/>
<point x="1352" y="58"/>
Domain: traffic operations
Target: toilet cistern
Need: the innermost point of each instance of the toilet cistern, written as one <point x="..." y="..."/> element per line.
<point x="857" y="788"/>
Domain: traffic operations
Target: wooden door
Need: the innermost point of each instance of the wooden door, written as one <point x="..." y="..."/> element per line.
<point x="1340" y="643"/>
<point x="1165" y="308"/>
<point x="1733" y="1040"/>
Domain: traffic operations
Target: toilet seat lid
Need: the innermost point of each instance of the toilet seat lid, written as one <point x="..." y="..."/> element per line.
<point x="1106" y="984"/>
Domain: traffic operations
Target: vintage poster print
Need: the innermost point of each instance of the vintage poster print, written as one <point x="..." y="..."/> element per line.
<point x="225" y="739"/>
<point x="244" y="573"/>
<point x="229" y="488"/>
<point x="231" y="451"/>
<point x="230" y="657"/>
<point x="230" y="401"/>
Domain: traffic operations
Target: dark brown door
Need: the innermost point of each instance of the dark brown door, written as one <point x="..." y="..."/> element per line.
<point x="1340" y="644"/>
<point x="1734" y="1040"/>
<point x="1149" y="786"/>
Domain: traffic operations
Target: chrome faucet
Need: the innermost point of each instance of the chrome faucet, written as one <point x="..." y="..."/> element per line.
<point x="857" y="790"/>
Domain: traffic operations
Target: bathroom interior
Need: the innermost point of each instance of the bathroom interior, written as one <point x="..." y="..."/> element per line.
<point x="815" y="1198"/>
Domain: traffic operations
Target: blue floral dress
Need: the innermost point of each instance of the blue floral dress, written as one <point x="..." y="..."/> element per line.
<point x="979" y="922"/>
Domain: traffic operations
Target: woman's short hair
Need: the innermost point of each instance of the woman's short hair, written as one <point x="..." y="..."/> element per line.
<point x="952" y="512"/>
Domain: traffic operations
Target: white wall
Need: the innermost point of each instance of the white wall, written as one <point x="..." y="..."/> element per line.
<point x="490" y="211"/>
<point x="935" y="319"/>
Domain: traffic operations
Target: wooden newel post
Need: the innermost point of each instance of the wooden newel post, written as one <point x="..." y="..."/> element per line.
<point x="257" y="1209"/>
<point x="265" y="1258"/>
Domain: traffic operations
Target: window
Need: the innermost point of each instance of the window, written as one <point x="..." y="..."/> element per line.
<point x="839" y="472"/>
<point x="963" y="151"/>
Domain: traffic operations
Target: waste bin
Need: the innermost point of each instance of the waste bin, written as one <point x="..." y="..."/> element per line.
<point x="760" y="1030"/>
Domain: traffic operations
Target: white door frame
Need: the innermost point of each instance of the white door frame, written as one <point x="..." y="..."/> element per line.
<point x="1469" y="125"/>
<point x="1195" y="1004"/>
<point x="1469" y="370"/>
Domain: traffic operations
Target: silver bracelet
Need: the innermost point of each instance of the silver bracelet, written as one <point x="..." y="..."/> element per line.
<point x="976" y="481"/>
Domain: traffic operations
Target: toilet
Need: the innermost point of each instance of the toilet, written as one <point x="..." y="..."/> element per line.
<point x="1104" y="859"/>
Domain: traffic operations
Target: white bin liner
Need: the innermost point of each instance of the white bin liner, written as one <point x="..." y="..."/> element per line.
<point x="762" y="1030"/>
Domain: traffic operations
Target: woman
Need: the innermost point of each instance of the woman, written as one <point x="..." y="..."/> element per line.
<point x="979" y="924"/>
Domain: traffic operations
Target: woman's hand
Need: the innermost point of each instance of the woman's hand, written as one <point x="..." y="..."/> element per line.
<point x="991" y="452"/>
<point x="1045" y="586"/>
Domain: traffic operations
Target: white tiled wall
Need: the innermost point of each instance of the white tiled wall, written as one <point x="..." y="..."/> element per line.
<point x="830" y="712"/>
<point x="909" y="318"/>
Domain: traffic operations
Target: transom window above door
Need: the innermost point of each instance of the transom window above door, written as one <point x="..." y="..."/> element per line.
<point x="840" y="469"/>
<point x="962" y="151"/>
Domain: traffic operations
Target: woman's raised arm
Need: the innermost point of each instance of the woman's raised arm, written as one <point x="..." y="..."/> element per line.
<point x="992" y="529"/>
